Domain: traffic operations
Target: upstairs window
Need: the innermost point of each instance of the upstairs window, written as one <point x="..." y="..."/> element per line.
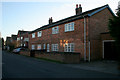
<point x="69" y="27"/>
<point x="18" y="39"/>
<point x="26" y="39"/>
<point x="55" y="30"/>
<point x="39" y="33"/>
<point x="33" y="35"/>
<point x="21" y="38"/>
<point x="54" y="47"/>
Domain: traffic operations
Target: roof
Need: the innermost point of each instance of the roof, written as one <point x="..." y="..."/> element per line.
<point x="8" y="38"/>
<point x="75" y="17"/>
<point x="14" y="37"/>
<point x="20" y="32"/>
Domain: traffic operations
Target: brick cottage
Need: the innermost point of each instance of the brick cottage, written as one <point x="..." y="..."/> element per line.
<point x="80" y="33"/>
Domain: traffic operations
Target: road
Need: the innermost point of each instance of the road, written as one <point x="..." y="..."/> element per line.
<point x="18" y="66"/>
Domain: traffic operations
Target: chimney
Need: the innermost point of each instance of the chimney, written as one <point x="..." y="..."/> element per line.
<point x="78" y="9"/>
<point x="50" y="20"/>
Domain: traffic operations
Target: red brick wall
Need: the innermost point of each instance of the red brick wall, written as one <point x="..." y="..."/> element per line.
<point x="98" y="23"/>
<point x="106" y="36"/>
<point x="95" y="25"/>
<point x="75" y="36"/>
<point x="27" y="53"/>
<point x="66" y="58"/>
<point x="62" y="57"/>
<point x="21" y="41"/>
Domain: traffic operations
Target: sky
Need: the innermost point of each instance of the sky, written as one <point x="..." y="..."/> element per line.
<point x="29" y="15"/>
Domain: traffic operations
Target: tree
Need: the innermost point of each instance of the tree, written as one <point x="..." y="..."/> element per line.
<point x="2" y="43"/>
<point x="114" y="29"/>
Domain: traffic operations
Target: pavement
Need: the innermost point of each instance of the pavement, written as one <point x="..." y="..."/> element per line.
<point x="106" y="66"/>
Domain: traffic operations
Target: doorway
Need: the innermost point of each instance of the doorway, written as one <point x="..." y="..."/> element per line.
<point x="109" y="50"/>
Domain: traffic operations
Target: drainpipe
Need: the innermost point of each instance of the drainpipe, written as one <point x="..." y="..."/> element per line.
<point x="84" y="39"/>
<point x="89" y="52"/>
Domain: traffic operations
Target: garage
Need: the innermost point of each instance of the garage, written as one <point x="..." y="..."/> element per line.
<point x="109" y="50"/>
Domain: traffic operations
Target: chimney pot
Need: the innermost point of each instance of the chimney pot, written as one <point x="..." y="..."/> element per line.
<point x="50" y="20"/>
<point x="76" y="5"/>
<point x="79" y="5"/>
<point x="78" y="10"/>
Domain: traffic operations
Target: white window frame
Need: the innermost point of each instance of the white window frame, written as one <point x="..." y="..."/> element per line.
<point x="21" y="38"/>
<point x="26" y="39"/>
<point x="70" y="47"/>
<point x="21" y="44"/>
<point x="48" y="47"/>
<point x="54" y="47"/>
<point x="39" y="34"/>
<point x="55" y="30"/>
<point x="39" y="47"/>
<point x="33" y="35"/>
<point x="18" y="39"/>
<point x="33" y="47"/>
<point x="69" y="27"/>
<point x="43" y="46"/>
<point x="24" y="44"/>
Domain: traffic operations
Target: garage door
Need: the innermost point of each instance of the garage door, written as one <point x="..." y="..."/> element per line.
<point x="110" y="51"/>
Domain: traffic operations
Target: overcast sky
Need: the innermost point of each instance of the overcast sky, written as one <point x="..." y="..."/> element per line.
<point x="30" y="15"/>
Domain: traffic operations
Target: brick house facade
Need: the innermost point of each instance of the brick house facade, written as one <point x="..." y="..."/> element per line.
<point x="22" y="39"/>
<point x="11" y="42"/>
<point x="80" y="33"/>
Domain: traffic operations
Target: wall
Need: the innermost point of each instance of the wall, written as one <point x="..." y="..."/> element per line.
<point x="25" y="52"/>
<point x="75" y="37"/>
<point x="98" y="23"/>
<point x="57" y="56"/>
<point x="63" y="57"/>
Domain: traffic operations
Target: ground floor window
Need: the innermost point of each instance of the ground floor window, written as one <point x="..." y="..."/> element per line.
<point x="33" y="47"/>
<point x="69" y="47"/>
<point x="48" y="47"/>
<point x="54" y="47"/>
<point x="39" y="47"/>
<point x="24" y="45"/>
<point x="21" y="44"/>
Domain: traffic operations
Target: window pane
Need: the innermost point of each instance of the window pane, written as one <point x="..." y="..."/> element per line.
<point x="39" y="47"/>
<point x="39" y="33"/>
<point x="55" y="30"/>
<point x="33" y="47"/>
<point x="33" y="35"/>
<point x="69" y="26"/>
<point x="65" y="27"/>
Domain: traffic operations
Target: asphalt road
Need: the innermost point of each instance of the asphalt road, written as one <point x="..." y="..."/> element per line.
<point x="18" y="66"/>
